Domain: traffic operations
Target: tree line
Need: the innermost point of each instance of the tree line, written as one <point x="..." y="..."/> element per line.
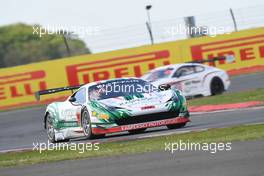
<point x="19" y="45"/>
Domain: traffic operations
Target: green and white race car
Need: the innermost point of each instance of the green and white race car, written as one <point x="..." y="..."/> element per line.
<point x="123" y="104"/>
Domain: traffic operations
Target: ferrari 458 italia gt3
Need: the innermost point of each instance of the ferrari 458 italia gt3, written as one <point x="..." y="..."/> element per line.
<point x="124" y="104"/>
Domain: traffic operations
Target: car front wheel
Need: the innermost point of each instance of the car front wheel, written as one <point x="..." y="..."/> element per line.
<point x="87" y="127"/>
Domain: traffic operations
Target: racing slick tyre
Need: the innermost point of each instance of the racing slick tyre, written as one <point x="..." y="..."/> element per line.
<point x="175" y="126"/>
<point x="86" y="125"/>
<point x="217" y="86"/>
<point x="137" y="131"/>
<point x="50" y="130"/>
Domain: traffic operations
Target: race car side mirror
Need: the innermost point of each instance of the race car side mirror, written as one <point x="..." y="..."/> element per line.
<point x="164" y="87"/>
<point x="72" y="99"/>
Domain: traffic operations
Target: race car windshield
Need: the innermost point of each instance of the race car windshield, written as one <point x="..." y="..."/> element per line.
<point x="117" y="88"/>
<point x="158" y="74"/>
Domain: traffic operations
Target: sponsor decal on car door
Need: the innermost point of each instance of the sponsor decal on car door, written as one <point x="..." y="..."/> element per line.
<point x="188" y="80"/>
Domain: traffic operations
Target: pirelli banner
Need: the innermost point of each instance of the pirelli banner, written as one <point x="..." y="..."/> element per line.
<point x="18" y="84"/>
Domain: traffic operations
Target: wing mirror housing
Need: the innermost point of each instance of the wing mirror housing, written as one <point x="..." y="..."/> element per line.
<point x="72" y="99"/>
<point x="164" y="87"/>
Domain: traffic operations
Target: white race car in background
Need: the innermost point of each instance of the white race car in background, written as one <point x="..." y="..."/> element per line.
<point x="192" y="79"/>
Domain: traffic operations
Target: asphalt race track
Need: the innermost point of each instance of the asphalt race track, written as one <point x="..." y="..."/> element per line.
<point x="245" y="158"/>
<point x="19" y="129"/>
<point x="22" y="130"/>
<point x="247" y="82"/>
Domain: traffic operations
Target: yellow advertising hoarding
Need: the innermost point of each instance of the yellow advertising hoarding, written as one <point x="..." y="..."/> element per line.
<point x="18" y="84"/>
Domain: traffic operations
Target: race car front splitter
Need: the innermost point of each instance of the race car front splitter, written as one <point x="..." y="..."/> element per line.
<point x="176" y="120"/>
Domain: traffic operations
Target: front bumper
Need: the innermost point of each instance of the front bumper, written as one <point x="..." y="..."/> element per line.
<point x="176" y="120"/>
<point x="73" y="132"/>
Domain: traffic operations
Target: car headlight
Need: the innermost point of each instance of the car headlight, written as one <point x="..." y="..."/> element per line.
<point x="103" y="116"/>
<point x="100" y="115"/>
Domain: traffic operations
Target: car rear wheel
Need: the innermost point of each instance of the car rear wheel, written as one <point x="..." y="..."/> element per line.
<point x="50" y="129"/>
<point x="175" y="126"/>
<point x="217" y="86"/>
<point x="87" y="127"/>
<point x="137" y="131"/>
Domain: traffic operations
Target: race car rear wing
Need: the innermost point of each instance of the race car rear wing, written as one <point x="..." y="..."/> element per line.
<point x="55" y="90"/>
<point x="229" y="59"/>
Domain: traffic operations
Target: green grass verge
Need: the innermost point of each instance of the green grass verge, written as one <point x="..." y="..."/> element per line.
<point x="238" y="133"/>
<point x="237" y="97"/>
